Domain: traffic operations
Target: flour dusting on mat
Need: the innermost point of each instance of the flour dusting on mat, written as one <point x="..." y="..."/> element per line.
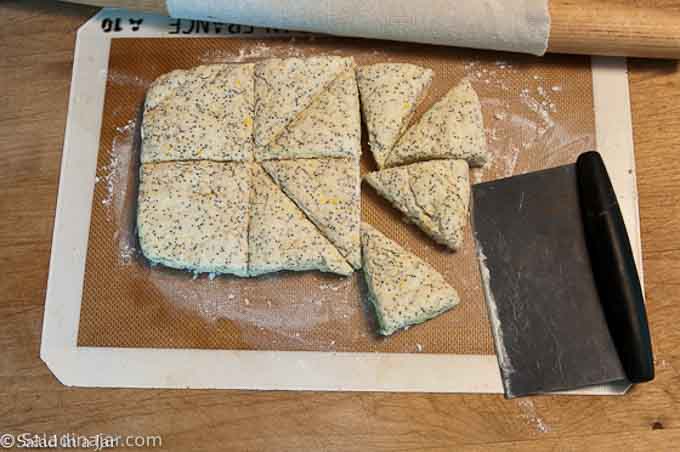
<point x="258" y="52"/>
<point x="522" y="126"/>
<point x="215" y="56"/>
<point x="120" y="78"/>
<point x="115" y="173"/>
<point x="262" y="321"/>
<point x="120" y="189"/>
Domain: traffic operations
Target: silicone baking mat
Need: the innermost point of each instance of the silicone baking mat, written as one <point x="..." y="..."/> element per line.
<point x="538" y="113"/>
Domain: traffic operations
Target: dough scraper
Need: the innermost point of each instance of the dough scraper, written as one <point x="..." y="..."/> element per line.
<point x="562" y="290"/>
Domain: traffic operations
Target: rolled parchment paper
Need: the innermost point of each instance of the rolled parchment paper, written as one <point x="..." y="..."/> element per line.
<point x="510" y="25"/>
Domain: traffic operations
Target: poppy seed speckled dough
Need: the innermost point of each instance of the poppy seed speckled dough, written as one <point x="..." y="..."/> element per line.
<point x="403" y="288"/>
<point x="330" y="127"/>
<point x="194" y="215"/>
<point x="282" y="238"/>
<point x="434" y="195"/>
<point x="195" y="201"/>
<point x="452" y="129"/>
<point x="328" y="192"/>
<point x="286" y="87"/>
<point x="205" y="113"/>
<point x="390" y="93"/>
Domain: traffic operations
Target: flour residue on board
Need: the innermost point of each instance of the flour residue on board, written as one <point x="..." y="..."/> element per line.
<point x="502" y="355"/>
<point x="216" y="56"/>
<point x="259" y="51"/>
<point x="263" y="50"/>
<point x="116" y="176"/>
<point x="520" y="124"/>
<point x="276" y="319"/>
<point x="121" y="78"/>
<point x="528" y="412"/>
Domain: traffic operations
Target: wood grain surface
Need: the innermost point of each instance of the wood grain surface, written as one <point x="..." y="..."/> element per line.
<point x="36" y="51"/>
<point x="611" y="27"/>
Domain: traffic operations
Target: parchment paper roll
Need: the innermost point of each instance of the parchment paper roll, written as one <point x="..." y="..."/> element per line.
<point x="512" y="25"/>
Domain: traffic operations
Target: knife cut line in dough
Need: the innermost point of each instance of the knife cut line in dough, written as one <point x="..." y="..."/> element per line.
<point x="328" y="192"/>
<point x="282" y="238"/>
<point x="390" y="94"/>
<point x="286" y="87"/>
<point x="452" y="129"/>
<point x="330" y="127"/>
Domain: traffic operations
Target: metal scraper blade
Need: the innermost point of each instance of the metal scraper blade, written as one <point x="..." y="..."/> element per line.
<point x="549" y="327"/>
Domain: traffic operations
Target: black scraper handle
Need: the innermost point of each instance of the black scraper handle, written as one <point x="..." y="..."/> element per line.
<point x="616" y="276"/>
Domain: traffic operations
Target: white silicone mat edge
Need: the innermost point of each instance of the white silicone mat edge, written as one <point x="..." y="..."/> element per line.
<point x="262" y="370"/>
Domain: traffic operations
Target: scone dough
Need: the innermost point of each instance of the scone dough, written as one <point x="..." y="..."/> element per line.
<point x="452" y="129"/>
<point x="434" y="195"/>
<point x="282" y="238"/>
<point x="403" y="288"/>
<point x="205" y="113"/>
<point x="286" y="87"/>
<point x="390" y="93"/>
<point x="327" y="191"/>
<point x="330" y="127"/>
<point x="194" y="215"/>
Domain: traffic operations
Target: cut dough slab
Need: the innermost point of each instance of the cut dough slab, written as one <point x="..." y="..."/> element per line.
<point x="285" y="88"/>
<point x="330" y="127"/>
<point x="390" y="93"/>
<point x="404" y="289"/>
<point x="194" y="215"/>
<point x="327" y="191"/>
<point x="452" y="129"/>
<point x="282" y="238"/>
<point x="434" y="195"/>
<point x="205" y="113"/>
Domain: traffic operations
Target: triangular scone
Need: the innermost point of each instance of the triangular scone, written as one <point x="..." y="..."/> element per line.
<point x="205" y="113"/>
<point x="452" y="129"/>
<point x="404" y="289"/>
<point x="282" y="238"/>
<point x="390" y="93"/>
<point x="285" y="88"/>
<point x="330" y="127"/>
<point x="194" y="215"/>
<point x="327" y="191"/>
<point x="434" y="195"/>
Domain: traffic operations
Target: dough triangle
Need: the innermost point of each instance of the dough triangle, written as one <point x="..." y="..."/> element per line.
<point x="205" y="113"/>
<point x="452" y="129"/>
<point x="390" y="93"/>
<point x="285" y="88"/>
<point x="282" y="238"/>
<point x="434" y="195"/>
<point x="330" y="127"/>
<point x="404" y="289"/>
<point x="327" y="191"/>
